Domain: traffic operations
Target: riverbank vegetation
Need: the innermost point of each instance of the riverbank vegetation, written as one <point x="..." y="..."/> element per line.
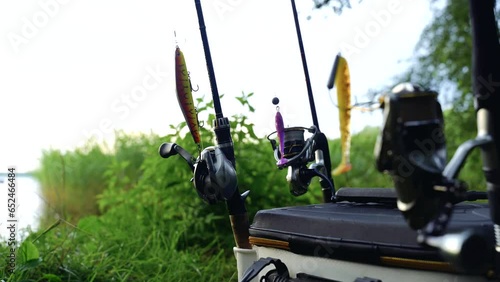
<point x="125" y="214"/>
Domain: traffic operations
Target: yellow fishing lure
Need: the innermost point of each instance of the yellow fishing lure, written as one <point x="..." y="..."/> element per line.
<point x="185" y="96"/>
<point x="343" y="86"/>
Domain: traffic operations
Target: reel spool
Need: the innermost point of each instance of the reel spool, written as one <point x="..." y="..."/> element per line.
<point x="294" y="142"/>
<point x="297" y="150"/>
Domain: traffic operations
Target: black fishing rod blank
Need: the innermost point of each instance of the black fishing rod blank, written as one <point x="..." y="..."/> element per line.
<point x="221" y="124"/>
<point x="304" y="65"/>
<point x="486" y="89"/>
<point x="208" y="58"/>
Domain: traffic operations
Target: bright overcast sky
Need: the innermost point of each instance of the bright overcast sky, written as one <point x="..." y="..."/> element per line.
<point x="72" y="69"/>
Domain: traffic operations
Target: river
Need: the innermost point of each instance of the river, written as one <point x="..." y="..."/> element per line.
<point x="29" y="204"/>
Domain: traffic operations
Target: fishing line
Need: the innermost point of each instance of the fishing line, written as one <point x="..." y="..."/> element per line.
<point x="371" y="105"/>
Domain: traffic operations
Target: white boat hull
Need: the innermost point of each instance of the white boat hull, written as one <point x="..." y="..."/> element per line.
<point x="340" y="270"/>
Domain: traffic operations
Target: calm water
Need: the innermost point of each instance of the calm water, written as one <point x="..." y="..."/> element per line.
<point x="29" y="203"/>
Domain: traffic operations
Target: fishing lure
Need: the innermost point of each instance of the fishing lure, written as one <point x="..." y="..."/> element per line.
<point x="185" y="97"/>
<point x="280" y="130"/>
<point x="343" y="85"/>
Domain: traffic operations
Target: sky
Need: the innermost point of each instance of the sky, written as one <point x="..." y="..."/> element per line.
<point x="71" y="70"/>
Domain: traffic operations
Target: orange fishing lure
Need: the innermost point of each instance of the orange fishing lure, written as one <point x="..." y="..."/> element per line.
<point x="185" y="96"/>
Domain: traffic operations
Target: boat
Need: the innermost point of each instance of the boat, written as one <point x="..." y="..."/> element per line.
<point x="429" y="227"/>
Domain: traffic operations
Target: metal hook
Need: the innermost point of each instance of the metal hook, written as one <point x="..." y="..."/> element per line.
<point x="197" y="87"/>
<point x="191" y="85"/>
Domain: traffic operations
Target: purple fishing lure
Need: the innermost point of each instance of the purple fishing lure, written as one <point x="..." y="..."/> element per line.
<point x="280" y="130"/>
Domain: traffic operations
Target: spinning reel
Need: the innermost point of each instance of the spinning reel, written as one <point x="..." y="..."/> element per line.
<point x="412" y="148"/>
<point x="294" y="152"/>
<point x="214" y="175"/>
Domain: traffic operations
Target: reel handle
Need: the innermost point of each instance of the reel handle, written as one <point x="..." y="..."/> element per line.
<point x="467" y="251"/>
<point x="167" y="150"/>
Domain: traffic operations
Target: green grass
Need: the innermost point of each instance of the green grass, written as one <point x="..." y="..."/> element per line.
<point x="71" y="181"/>
<point x="100" y="250"/>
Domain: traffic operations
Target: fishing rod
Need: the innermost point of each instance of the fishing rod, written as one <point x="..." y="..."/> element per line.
<point x="293" y="152"/>
<point x="214" y="170"/>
